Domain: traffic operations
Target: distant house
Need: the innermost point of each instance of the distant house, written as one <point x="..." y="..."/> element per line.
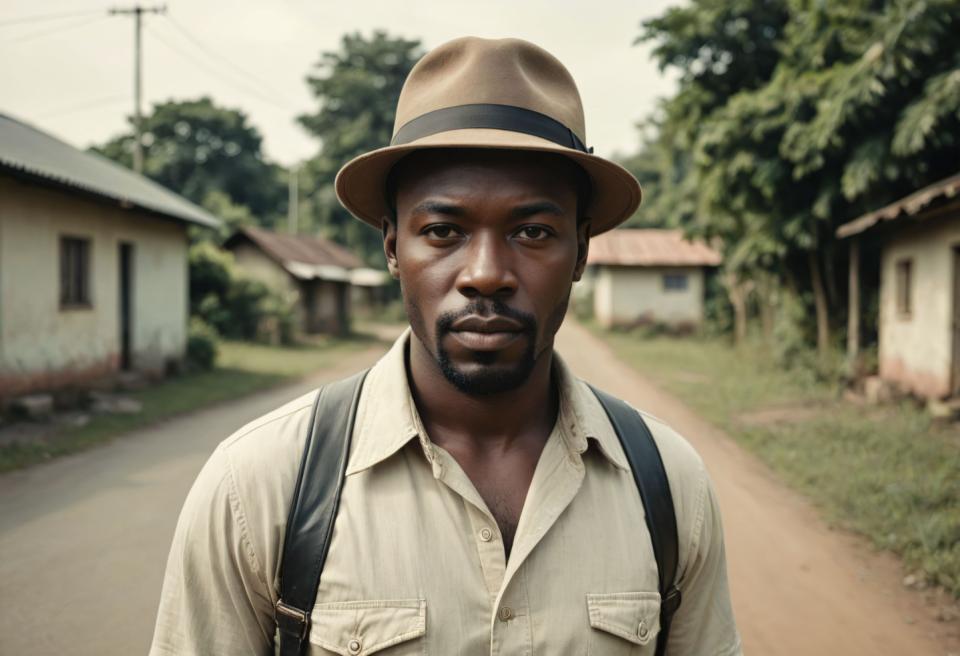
<point x="93" y="265"/>
<point x="919" y="317"/>
<point x="648" y="276"/>
<point x="319" y="274"/>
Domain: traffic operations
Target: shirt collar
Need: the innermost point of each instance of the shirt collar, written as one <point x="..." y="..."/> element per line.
<point x="388" y="419"/>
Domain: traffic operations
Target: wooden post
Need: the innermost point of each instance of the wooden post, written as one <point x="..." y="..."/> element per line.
<point x="853" y="306"/>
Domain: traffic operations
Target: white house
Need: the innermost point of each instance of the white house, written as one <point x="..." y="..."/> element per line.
<point x="93" y="265"/>
<point x="919" y="318"/>
<point x="647" y="276"/>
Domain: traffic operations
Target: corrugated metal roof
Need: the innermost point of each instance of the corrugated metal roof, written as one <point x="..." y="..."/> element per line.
<point x="907" y="206"/>
<point x="304" y="257"/>
<point x="34" y="154"/>
<point x="649" y="247"/>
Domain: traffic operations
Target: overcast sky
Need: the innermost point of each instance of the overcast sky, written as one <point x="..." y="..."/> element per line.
<point x="74" y="76"/>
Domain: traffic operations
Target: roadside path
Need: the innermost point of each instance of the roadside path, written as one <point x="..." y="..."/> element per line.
<point x="799" y="589"/>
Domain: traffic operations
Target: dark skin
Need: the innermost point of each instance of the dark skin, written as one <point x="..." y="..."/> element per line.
<point x="491" y="238"/>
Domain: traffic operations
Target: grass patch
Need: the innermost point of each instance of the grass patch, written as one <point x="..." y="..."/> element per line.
<point x="889" y="473"/>
<point x="242" y="369"/>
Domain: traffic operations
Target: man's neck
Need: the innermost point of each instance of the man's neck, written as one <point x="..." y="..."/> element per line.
<point x="491" y="422"/>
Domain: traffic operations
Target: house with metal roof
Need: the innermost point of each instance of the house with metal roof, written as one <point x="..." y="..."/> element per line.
<point x="647" y="276"/>
<point x="919" y="303"/>
<point x="324" y="279"/>
<point x="93" y="265"/>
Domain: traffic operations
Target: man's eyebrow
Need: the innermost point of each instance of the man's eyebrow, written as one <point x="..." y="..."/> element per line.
<point x="437" y="207"/>
<point x="539" y="207"/>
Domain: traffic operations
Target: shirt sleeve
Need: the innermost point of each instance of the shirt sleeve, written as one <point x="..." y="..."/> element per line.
<point x="704" y="623"/>
<point x="215" y="597"/>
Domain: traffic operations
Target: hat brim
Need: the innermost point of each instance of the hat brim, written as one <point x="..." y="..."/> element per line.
<point x="361" y="183"/>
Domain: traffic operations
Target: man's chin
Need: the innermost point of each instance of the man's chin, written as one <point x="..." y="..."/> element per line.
<point x="478" y="379"/>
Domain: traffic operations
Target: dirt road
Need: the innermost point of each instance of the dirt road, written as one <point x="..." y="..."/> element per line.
<point x="798" y="588"/>
<point x="83" y="540"/>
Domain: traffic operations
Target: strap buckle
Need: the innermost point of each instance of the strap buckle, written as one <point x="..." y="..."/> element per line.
<point x="672" y="601"/>
<point x="292" y="620"/>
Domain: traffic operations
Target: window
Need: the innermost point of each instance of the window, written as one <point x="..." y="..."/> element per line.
<point x="674" y="282"/>
<point x="904" y="285"/>
<point x="74" y="272"/>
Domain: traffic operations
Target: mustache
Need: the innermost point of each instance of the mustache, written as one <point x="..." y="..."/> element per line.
<point x="487" y="308"/>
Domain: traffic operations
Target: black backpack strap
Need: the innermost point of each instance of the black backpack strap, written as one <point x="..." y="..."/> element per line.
<point x="314" y="508"/>
<point x="651" y="479"/>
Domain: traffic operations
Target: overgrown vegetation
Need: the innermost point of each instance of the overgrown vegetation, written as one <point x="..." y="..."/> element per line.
<point x="236" y="306"/>
<point x="889" y="473"/>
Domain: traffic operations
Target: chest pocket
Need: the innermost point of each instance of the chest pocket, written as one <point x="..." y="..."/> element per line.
<point x="356" y="628"/>
<point x="623" y="623"/>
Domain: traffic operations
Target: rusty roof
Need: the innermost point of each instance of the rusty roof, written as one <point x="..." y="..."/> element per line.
<point x="40" y="158"/>
<point x="302" y="256"/>
<point x="908" y="206"/>
<point x="650" y="247"/>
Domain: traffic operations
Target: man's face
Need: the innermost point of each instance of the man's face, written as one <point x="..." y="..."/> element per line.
<point x="486" y="245"/>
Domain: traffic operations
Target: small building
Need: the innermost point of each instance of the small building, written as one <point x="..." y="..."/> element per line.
<point x="648" y="276"/>
<point x="93" y="265"/>
<point x="919" y="303"/>
<point x="319" y="275"/>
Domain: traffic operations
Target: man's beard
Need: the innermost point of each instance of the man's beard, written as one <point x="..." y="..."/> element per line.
<point x="489" y="378"/>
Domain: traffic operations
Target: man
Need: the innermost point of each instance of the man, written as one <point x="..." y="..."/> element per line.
<point x="488" y="506"/>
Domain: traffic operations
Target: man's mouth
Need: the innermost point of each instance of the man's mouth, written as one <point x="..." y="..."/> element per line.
<point x="486" y="333"/>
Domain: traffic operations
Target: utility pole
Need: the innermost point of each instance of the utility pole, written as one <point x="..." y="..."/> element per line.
<point x="293" y="204"/>
<point x="137" y="11"/>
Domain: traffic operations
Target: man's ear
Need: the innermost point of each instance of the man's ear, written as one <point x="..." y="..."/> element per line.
<point x="583" y="247"/>
<point x="389" y="228"/>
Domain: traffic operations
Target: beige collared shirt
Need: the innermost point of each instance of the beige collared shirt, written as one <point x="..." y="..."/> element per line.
<point x="416" y="563"/>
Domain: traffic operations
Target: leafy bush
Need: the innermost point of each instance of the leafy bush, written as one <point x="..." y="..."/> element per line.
<point x="202" y="341"/>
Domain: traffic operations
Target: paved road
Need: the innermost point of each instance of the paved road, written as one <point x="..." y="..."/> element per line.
<point x="83" y="540"/>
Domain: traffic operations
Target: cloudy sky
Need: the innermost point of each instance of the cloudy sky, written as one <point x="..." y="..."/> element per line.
<point x="73" y="75"/>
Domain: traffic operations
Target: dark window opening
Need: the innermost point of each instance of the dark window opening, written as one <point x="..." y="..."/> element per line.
<point x="904" y="287"/>
<point x="674" y="282"/>
<point x="74" y="272"/>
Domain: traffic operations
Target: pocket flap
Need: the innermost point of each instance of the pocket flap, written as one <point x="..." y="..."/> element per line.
<point x="354" y="628"/>
<point x="633" y="616"/>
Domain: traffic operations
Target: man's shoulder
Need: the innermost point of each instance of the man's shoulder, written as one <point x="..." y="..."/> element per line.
<point x="680" y="459"/>
<point x="267" y="450"/>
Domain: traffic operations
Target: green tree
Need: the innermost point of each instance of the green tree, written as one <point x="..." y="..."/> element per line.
<point x="209" y="154"/>
<point x="855" y="104"/>
<point x="357" y="88"/>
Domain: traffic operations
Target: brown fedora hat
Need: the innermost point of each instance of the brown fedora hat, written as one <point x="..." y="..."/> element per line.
<point x="489" y="93"/>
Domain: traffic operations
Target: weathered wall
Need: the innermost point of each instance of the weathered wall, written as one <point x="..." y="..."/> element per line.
<point x="42" y="345"/>
<point x="916" y="350"/>
<point x="623" y="295"/>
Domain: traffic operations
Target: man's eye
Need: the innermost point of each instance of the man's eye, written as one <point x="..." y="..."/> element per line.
<point x="440" y="231"/>
<point x="534" y="233"/>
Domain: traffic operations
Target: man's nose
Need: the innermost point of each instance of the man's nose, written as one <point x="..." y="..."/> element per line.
<point x="487" y="270"/>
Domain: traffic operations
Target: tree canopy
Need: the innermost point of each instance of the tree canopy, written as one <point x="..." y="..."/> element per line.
<point x="795" y="116"/>
<point x="356" y="88"/>
<point x="211" y="155"/>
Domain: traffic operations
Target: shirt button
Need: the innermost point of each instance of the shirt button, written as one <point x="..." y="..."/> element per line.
<point x="505" y="614"/>
<point x="642" y="630"/>
<point x="354" y="646"/>
<point x="486" y="534"/>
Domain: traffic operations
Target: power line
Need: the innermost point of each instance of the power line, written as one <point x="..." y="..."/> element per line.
<point x="236" y="84"/>
<point x="56" y="30"/>
<point x="44" y="18"/>
<point x="85" y="105"/>
<point x="215" y="55"/>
